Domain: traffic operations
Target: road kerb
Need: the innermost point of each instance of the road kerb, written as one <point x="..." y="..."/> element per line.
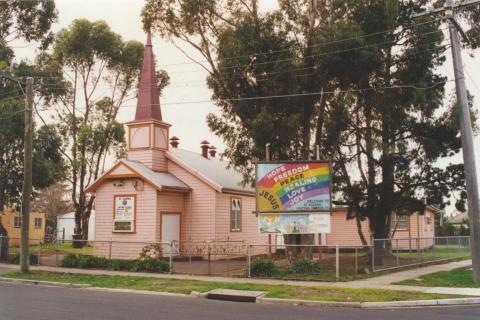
<point x="46" y="283"/>
<point x="310" y="303"/>
<point x="263" y="300"/>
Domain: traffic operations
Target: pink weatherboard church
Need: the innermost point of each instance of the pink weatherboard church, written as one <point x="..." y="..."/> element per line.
<point x="161" y="193"/>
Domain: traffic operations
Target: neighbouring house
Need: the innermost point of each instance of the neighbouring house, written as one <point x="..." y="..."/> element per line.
<point x="12" y="222"/>
<point x="459" y="220"/>
<point x="405" y="228"/>
<point x="66" y="226"/>
<point x="161" y="193"/>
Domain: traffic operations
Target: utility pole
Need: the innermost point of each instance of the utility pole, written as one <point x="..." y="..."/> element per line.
<point x="465" y="129"/>
<point x="27" y="179"/>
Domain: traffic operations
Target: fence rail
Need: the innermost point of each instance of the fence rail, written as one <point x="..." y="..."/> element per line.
<point x="240" y="258"/>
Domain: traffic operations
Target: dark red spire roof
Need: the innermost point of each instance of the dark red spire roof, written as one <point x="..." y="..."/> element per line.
<point x="148" y="101"/>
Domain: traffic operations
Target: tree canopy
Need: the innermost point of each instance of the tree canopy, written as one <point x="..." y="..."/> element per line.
<point x="358" y="78"/>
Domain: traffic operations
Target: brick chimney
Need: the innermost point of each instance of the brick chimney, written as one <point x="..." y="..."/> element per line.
<point x="174" y="141"/>
<point x="212" y="151"/>
<point x="204" y="145"/>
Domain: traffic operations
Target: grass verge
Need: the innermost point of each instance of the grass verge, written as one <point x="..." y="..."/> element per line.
<point x="317" y="293"/>
<point x="457" y="278"/>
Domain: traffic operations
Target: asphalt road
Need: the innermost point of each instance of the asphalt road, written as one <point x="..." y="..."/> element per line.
<point x="27" y="301"/>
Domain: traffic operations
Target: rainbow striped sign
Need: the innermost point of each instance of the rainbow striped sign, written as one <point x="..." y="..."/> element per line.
<point x="293" y="186"/>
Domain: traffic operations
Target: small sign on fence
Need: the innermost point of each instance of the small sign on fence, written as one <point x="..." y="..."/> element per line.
<point x="294" y="223"/>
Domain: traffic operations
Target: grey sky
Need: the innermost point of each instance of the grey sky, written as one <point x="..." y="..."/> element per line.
<point x="188" y="80"/>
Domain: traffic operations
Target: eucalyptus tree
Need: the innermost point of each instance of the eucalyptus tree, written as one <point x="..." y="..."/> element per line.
<point x="358" y="78"/>
<point x="86" y="78"/>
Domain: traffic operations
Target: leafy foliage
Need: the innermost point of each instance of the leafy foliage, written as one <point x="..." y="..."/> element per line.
<point x="261" y="267"/>
<point x="93" y="262"/>
<point x="305" y="267"/>
<point x="30" y="20"/>
<point x="357" y="78"/>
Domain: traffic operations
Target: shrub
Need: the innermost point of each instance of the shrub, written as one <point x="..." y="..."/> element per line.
<point x="69" y="261"/>
<point x="152" y="265"/>
<point x="305" y="267"/>
<point x="16" y="259"/>
<point x="92" y="262"/>
<point x="262" y="267"/>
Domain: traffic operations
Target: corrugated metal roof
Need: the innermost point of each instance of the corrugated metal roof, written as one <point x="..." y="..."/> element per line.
<point x="213" y="169"/>
<point x="160" y="179"/>
<point x="459" y="218"/>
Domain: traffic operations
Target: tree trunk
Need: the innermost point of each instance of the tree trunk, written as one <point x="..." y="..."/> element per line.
<point x="300" y="246"/>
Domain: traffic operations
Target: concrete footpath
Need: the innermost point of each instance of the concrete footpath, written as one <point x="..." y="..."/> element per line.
<point x="380" y="282"/>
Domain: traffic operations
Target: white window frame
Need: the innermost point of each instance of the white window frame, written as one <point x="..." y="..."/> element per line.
<point x="39" y="225"/>
<point x="15" y="224"/>
<point x="235" y="214"/>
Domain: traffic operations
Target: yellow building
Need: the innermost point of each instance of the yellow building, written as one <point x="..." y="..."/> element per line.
<point x="12" y="221"/>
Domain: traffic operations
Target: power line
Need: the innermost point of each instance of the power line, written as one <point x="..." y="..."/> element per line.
<point x="406" y="86"/>
<point x="318" y="54"/>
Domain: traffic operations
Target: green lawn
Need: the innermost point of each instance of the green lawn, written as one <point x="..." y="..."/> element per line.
<point x="457" y="278"/>
<point x="438" y="252"/>
<point x="50" y="248"/>
<point x="317" y="293"/>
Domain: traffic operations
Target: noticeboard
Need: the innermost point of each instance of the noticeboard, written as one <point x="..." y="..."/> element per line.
<point x="294" y="223"/>
<point x="287" y="187"/>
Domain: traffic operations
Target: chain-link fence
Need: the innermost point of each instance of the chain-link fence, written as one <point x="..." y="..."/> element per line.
<point x="402" y="252"/>
<point x="239" y="258"/>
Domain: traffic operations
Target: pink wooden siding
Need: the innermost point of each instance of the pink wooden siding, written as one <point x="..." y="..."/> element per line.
<point x="249" y="225"/>
<point x="153" y="159"/>
<point x="145" y="225"/>
<point x="170" y="202"/>
<point x="198" y="221"/>
<point x="418" y="227"/>
<point x="344" y="232"/>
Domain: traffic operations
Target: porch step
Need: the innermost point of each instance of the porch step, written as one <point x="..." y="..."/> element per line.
<point x="235" y="295"/>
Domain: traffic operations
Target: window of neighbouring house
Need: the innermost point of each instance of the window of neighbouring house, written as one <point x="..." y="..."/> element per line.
<point x="17" y="222"/>
<point x="401" y="222"/>
<point x="235" y="214"/>
<point x="38" y="223"/>
<point x="124" y="213"/>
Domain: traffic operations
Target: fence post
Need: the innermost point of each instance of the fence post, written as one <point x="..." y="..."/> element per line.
<point x="249" y="261"/>
<point x="171" y="257"/>
<point x="418" y="249"/>
<point x="39" y="253"/>
<point x="373" y="254"/>
<point x="209" y="263"/>
<point x="356" y="260"/>
<point x="337" y="262"/>
<point x="448" y="249"/>
<point x="110" y="250"/>
<point x="398" y="262"/>
<point x="57" y="249"/>
<point x="1" y="246"/>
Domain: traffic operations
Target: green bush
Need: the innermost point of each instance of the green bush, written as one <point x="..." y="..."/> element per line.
<point x="69" y="261"/>
<point x="15" y="259"/>
<point x="92" y="262"/>
<point x="152" y="265"/>
<point x="262" y="267"/>
<point x="305" y="267"/>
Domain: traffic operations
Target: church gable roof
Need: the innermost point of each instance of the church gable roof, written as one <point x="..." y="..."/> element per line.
<point x="162" y="181"/>
<point x="213" y="171"/>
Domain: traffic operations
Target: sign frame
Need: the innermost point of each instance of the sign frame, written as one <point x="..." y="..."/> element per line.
<point x="329" y="210"/>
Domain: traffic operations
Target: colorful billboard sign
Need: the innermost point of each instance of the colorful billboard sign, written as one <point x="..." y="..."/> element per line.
<point x="294" y="223"/>
<point x="293" y="187"/>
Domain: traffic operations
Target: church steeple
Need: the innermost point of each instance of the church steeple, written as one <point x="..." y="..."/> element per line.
<point x="148" y="102"/>
<point x="148" y="135"/>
